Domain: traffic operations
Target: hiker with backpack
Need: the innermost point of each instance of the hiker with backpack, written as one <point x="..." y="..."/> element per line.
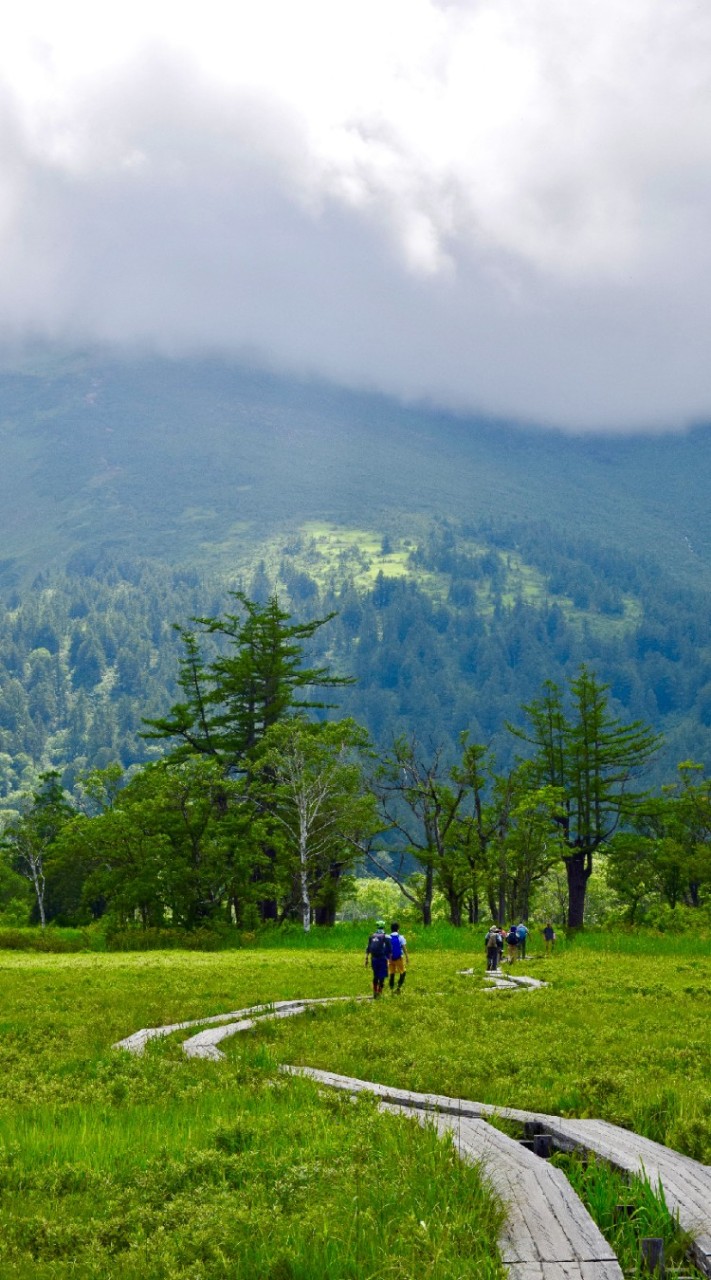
<point x="512" y="944"/>
<point x="492" y="943"/>
<point x="521" y="934"/>
<point x="379" y="951"/>
<point x="399" y="958"/>
<point x="549" y="938"/>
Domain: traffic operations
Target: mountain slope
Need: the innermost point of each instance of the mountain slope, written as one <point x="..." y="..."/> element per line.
<point x="196" y="462"/>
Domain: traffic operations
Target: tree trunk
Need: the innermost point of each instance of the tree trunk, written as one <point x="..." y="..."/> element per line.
<point x="39" y="890"/>
<point x="428" y="895"/>
<point x="304" y="883"/>
<point x="501" y="912"/>
<point x="455" y="911"/>
<point x="578" y="869"/>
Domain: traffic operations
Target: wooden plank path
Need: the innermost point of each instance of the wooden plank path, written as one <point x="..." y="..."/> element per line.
<point x="137" y="1042"/>
<point x="685" y="1182"/>
<point x="204" y="1044"/>
<point x="548" y="1233"/>
<point x="503" y="980"/>
<point x="545" y="1216"/>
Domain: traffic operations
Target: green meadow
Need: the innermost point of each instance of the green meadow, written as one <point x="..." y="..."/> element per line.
<point x="156" y="1166"/>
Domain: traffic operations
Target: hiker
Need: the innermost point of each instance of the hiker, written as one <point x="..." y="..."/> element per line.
<point x="379" y="949"/>
<point x="512" y="944"/>
<point x="521" y="934"/>
<point x="399" y="958"/>
<point x="501" y="944"/>
<point x="492" y="943"/>
<point x="549" y="937"/>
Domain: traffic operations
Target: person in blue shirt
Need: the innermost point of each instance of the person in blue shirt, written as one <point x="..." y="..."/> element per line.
<point x="399" y="958"/>
<point x="521" y="934"/>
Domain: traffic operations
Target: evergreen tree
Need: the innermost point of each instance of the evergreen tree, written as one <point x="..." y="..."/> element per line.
<point x="231" y="701"/>
<point x="591" y="759"/>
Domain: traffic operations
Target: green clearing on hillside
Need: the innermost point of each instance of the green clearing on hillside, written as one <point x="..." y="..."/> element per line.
<point x="332" y="554"/>
<point x="157" y="1166"/>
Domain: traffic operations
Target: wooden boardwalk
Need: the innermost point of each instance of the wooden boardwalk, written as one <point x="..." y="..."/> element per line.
<point x="504" y="981"/>
<point x="223" y="1025"/>
<point x="685" y="1182"/>
<point x="549" y="1234"/>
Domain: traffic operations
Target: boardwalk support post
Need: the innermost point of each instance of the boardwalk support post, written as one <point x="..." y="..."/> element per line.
<point x="653" y="1255"/>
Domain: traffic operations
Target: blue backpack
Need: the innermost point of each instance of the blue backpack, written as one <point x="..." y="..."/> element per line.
<point x="396" y="945"/>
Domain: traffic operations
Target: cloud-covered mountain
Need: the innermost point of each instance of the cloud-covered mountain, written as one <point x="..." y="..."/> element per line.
<point x="502" y="207"/>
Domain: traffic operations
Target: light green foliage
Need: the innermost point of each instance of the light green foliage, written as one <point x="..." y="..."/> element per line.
<point x="373" y="899"/>
<point x="308" y="788"/>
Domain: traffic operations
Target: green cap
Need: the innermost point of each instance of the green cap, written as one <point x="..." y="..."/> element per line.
<point x="380" y="924"/>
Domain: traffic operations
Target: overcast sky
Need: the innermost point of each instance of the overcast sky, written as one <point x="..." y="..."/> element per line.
<point x="501" y="205"/>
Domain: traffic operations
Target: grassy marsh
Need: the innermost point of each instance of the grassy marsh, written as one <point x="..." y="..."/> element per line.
<point x="157" y="1166"/>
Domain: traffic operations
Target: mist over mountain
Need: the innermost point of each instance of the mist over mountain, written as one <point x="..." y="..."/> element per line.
<point x="197" y="462"/>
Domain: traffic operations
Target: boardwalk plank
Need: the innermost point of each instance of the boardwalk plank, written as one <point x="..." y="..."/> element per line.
<point x="686" y="1183"/>
<point x="547" y="1227"/>
<point x="204" y="1044"/>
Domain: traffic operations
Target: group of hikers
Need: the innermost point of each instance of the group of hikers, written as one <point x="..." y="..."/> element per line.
<point x="514" y="939"/>
<point x="388" y="956"/>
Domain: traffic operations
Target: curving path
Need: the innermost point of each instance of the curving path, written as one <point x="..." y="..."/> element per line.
<point x="548" y="1234"/>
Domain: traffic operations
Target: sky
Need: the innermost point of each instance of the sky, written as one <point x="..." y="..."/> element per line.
<point x="498" y="206"/>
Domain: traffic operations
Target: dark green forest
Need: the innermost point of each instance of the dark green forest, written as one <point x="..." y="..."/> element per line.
<point x="458" y="642"/>
<point x="257" y="807"/>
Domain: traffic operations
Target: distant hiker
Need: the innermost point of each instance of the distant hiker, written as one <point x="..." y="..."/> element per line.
<point x="492" y="943"/>
<point x="521" y="934"/>
<point x="379" y="950"/>
<point x="399" y="958"/>
<point x="549" y="937"/>
<point x="512" y="944"/>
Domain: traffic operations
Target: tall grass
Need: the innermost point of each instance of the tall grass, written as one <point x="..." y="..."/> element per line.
<point x="628" y="1210"/>
<point x="642" y="942"/>
<point x="263" y="1178"/>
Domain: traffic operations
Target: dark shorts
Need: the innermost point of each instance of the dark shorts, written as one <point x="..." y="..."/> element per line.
<point x="380" y="966"/>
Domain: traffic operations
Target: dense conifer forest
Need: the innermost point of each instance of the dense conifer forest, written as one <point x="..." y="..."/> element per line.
<point x="458" y="638"/>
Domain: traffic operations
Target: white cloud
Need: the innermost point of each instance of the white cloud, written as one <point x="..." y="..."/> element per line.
<point x="501" y="205"/>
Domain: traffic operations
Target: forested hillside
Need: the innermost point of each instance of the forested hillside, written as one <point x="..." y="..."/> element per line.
<point x="467" y="560"/>
<point x="451" y="632"/>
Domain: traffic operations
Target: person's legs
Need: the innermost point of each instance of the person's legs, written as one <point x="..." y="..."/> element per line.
<point x="380" y="973"/>
<point x="396" y="966"/>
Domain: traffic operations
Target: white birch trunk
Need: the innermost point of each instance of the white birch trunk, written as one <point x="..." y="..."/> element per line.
<point x="38" y="882"/>
<point x="303" y="867"/>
